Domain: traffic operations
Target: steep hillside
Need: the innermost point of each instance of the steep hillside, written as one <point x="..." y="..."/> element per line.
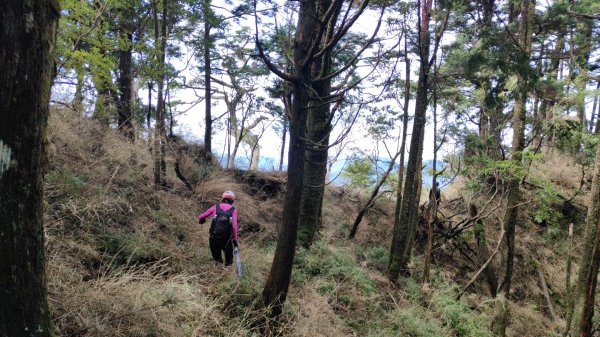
<point x="127" y="259"/>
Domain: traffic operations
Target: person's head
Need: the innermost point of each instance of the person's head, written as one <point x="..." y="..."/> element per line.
<point x="228" y="197"/>
<point x="437" y="184"/>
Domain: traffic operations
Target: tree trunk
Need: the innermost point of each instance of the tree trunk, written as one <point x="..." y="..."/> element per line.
<point x="585" y="28"/>
<point x="591" y="232"/>
<point x="237" y="136"/>
<point x="402" y="146"/>
<point x="126" y="106"/>
<point x="549" y="99"/>
<point x="27" y="35"/>
<point x="592" y="215"/>
<point x="401" y="245"/>
<point x="433" y="202"/>
<point x="103" y="107"/>
<point x="569" y="296"/>
<point x="207" y="81"/>
<point x="78" y="98"/>
<point x="591" y="281"/>
<point x="319" y="128"/>
<point x="372" y="197"/>
<point x="284" y="134"/>
<point x="276" y="287"/>
<point x="597" y="127"/>
<point x="594" y="110"/>
<point x="149" y="113"/>
<point x="159" y="134"/>
<point x="252" y="140"/>
<point x="483" y="252"/>
<point x="514" y="192"/>
<point x="315" y="171"/>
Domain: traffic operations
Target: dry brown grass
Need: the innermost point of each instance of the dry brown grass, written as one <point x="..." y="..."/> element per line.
<point x="138" y="302"/>
<point x="126" y="259"/>
<point x="528" y="321"/>
<point x="562" y="170"/>
<point x="315" y="315"/>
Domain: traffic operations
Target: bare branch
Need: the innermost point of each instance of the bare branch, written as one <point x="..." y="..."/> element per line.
<point x="283" y="75"/>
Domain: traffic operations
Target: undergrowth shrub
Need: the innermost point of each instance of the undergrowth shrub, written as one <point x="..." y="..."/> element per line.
<point x="63" y="183"/>
<point x="167" y="222"/>
<point x="376" y="255"/>
<point x="323" y="261"/>
<point x="123" y="249"/>
<point x="410" y="321"/>
<point x="460" y="318"/>
<point x="546" y="205"/>
<point x="445" y="310"/>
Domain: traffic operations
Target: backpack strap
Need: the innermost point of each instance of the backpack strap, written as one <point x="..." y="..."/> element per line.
<point x="230" y="211"/>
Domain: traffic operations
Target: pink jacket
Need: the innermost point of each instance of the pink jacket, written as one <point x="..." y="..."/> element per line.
<point x="224" y="207"/>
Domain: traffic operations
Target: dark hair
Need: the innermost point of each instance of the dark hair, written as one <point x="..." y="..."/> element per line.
<point x="227" y="201"/>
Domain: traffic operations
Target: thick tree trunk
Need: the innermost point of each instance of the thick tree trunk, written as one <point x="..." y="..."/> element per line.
<point x="27" y="37"/>
<point x="276" y="287"/>
<point x="315" y="171"/>
<point x="402" y="235"/>
<point x="126" y="106"/>
<point x="483" y="252"/>
<point x="315" y="166"/>
<point x="319" y="128"/>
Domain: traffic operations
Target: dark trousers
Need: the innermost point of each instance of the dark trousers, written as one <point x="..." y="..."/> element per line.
<point x="218" y="244"/>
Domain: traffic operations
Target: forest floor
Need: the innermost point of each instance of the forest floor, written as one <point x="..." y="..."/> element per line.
<point x="127" y="259"/>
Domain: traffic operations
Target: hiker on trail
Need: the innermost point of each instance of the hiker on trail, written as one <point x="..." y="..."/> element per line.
<point x="223" y="228"/>
<point x="438" y="194"/>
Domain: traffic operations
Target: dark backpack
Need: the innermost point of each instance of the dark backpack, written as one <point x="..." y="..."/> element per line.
<point x="221" y="225"/>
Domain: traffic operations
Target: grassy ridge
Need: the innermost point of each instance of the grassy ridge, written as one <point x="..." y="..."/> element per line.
<point x="126" y="259"/>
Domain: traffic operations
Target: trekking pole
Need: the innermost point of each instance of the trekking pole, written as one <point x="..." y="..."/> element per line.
<point x="238" y="261"/>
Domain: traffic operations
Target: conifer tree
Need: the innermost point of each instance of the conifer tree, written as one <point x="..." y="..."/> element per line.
<point x="27" y="36"/>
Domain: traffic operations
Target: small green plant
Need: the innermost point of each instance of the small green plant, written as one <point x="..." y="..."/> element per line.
<point x="410" y="321"/>
<point x="66" y="181"/>
<point x="168" y="223"/>
<point x="460" y="318"/>
<point x="124" y="249"/>
<point x="546" y="202"/>
<point x="323" y="261"/>
<point x="377" y="256"/>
